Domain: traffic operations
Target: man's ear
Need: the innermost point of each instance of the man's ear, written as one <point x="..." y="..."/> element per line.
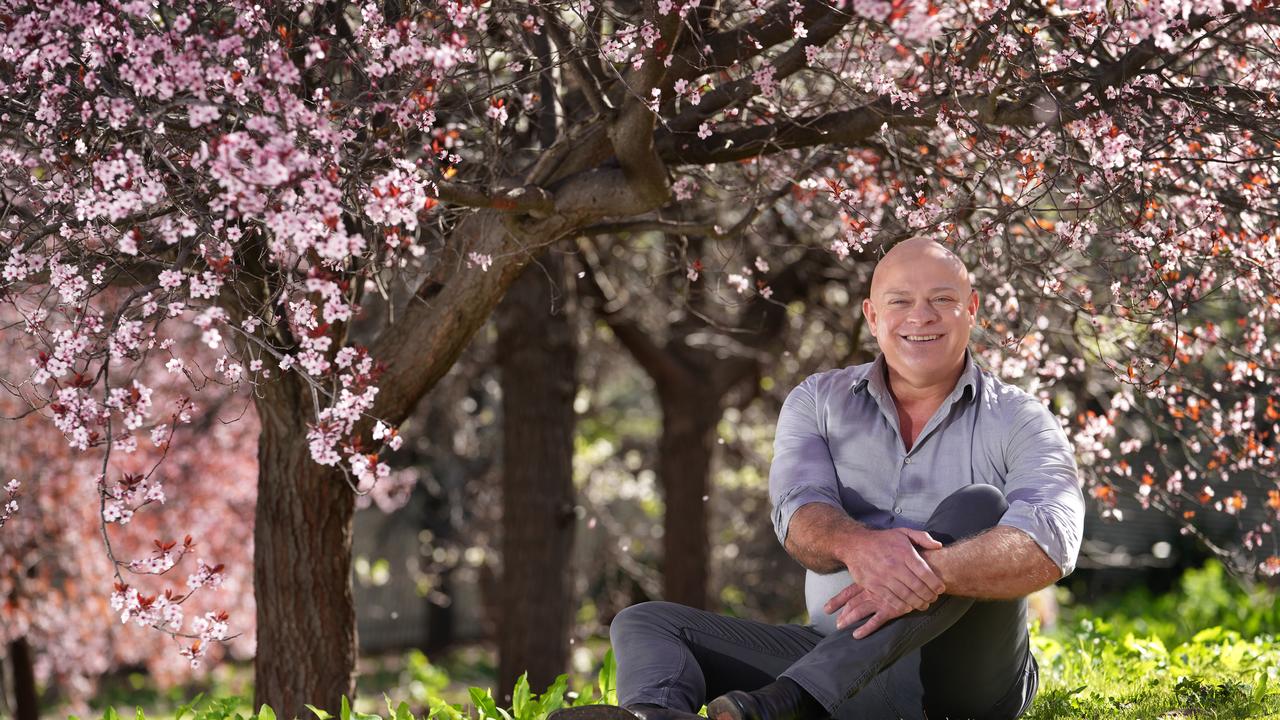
<point x="973" y="306"/>
<point x="869" y="312"/>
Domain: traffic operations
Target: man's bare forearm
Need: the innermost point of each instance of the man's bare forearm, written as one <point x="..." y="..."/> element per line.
<point x="1000" y="564"/>
<point x="816" y="535"/>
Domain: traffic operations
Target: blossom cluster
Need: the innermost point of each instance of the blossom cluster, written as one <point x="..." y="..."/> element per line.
<point x="11" y="500"/>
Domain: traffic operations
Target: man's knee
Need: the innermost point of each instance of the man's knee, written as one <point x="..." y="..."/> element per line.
<point x="640" y="619"/>
<point x="967" y="511"/>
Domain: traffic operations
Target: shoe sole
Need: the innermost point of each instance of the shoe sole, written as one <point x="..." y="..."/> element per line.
<point x="592" y="712"/>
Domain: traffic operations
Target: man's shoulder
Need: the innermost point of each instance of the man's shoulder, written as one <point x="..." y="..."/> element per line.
<point x="1007" y="403"/>
<point x="837" y="379"/>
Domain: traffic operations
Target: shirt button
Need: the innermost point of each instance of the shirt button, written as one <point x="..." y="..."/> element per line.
<point x="897" y="510"/>
<point x="908" y="461"/>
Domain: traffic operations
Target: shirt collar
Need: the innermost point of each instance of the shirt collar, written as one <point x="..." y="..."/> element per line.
<point x="876" y="382"/>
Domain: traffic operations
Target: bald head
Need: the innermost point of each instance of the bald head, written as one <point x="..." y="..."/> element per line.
<point x="921" y="310"/>
<point x="911" y="253"/>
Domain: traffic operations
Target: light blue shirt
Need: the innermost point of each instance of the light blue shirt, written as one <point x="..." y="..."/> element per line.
<point x="838" y="442"/>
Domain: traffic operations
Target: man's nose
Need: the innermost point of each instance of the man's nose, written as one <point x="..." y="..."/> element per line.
<point x="923" y="312"/>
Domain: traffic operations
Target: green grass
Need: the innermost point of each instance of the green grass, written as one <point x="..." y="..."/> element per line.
<point x="1206" y="650"/>
<point x="1091" y="671"/>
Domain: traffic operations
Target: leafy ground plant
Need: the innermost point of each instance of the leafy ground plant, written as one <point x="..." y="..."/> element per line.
<point x="1088" y="671"/>
<point x="1206" y="651"/>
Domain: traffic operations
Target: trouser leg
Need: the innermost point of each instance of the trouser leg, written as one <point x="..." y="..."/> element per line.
<point x="839" y="666"/>
<point x="998" y="681"/>
<point x="678" y="657"/>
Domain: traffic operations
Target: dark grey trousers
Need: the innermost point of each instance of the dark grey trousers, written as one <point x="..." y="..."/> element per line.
<point x="960" y="658"/>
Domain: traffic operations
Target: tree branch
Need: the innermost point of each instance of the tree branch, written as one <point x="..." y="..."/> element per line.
<point x="845" y="127"/>
<point x="749" y="40"/>
<point x="527" y="200"/>
<point x="657" y="363"/>
<point x="586" y="81"/>
<point x="788" y="63"/>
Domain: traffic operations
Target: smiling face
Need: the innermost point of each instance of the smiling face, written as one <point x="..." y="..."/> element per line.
<point x="921" y="310"/>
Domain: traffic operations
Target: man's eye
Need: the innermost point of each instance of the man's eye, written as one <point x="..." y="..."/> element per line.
<point x="897" y="302"/>
<point x="943" y="299"/>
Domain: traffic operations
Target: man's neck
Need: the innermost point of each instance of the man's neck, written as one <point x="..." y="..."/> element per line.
<point x="926" y="395"/>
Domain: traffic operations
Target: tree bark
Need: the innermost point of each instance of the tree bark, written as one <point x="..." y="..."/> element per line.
<point x="537" y="358"/>
<point x="689" y="417"/>
<point x="26" y="698"/>
<point x="302" y="563"/>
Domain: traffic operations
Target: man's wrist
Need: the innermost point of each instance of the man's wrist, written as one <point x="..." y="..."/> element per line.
<point x="937" y="560"/>
<point x="850" y="541"/>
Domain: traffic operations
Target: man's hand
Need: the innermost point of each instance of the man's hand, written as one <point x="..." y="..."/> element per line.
<point x="859" y="603"/>
<point x="886" y="564"/>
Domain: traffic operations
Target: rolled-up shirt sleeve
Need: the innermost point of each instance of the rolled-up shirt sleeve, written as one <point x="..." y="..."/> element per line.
<point x="1042" y="485"/>
<point x="802" y="471"/>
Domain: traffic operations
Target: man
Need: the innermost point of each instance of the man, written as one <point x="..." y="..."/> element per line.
<point x="924" y="497"/>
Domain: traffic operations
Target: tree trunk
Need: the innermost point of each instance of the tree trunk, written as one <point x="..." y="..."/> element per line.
<point x="302" y="563"/>
<point x="26" y="699"/>
<point x="537" y="359"/>
<point x="689" y="420"/>
<point x="440" y="618"/>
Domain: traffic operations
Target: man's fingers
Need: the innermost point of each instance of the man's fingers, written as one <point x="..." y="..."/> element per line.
<point x="853" y="612"/>
<point x="923" y="540"/>
<point x="875" y="623"/>
<point x="895" y="594"/>
<point x="927" y="576"/>
<point x="911" y="591"/>
<point x="842" y="597"/>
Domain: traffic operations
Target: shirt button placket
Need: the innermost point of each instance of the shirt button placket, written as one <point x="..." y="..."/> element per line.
<point x="897" y="510"/>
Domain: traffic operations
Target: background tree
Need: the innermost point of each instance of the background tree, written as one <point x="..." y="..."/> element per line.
<point x="537" y="360"/>
<point x="259" y="169"/>
<point x="705" y="351"/>
<point x="60" y="628"/>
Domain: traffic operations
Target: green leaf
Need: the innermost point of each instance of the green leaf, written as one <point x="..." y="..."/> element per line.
<point x="553" y="698"/>
<point x="605" y="680"/>
<point x="397" y="713"/>
<point x="483" y="701"/>
<point x="320" y="714"/>
<point x="188" y="708"/>
<point x="110" y="714"/>
<point x="520" y="697"/>
<point x="266" y="713"/>
<point x="345" y="712"/>
<point x="439" y="708"/>
<point x="1209" y="635"/>
<point x="139" y="715"/>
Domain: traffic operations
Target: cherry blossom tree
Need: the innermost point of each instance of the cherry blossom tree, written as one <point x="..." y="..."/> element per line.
<point x="336" y="195"/>
<point x="60" y="628"/>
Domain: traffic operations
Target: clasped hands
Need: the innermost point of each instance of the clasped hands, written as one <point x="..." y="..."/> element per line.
<point x="890" y="579"/>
